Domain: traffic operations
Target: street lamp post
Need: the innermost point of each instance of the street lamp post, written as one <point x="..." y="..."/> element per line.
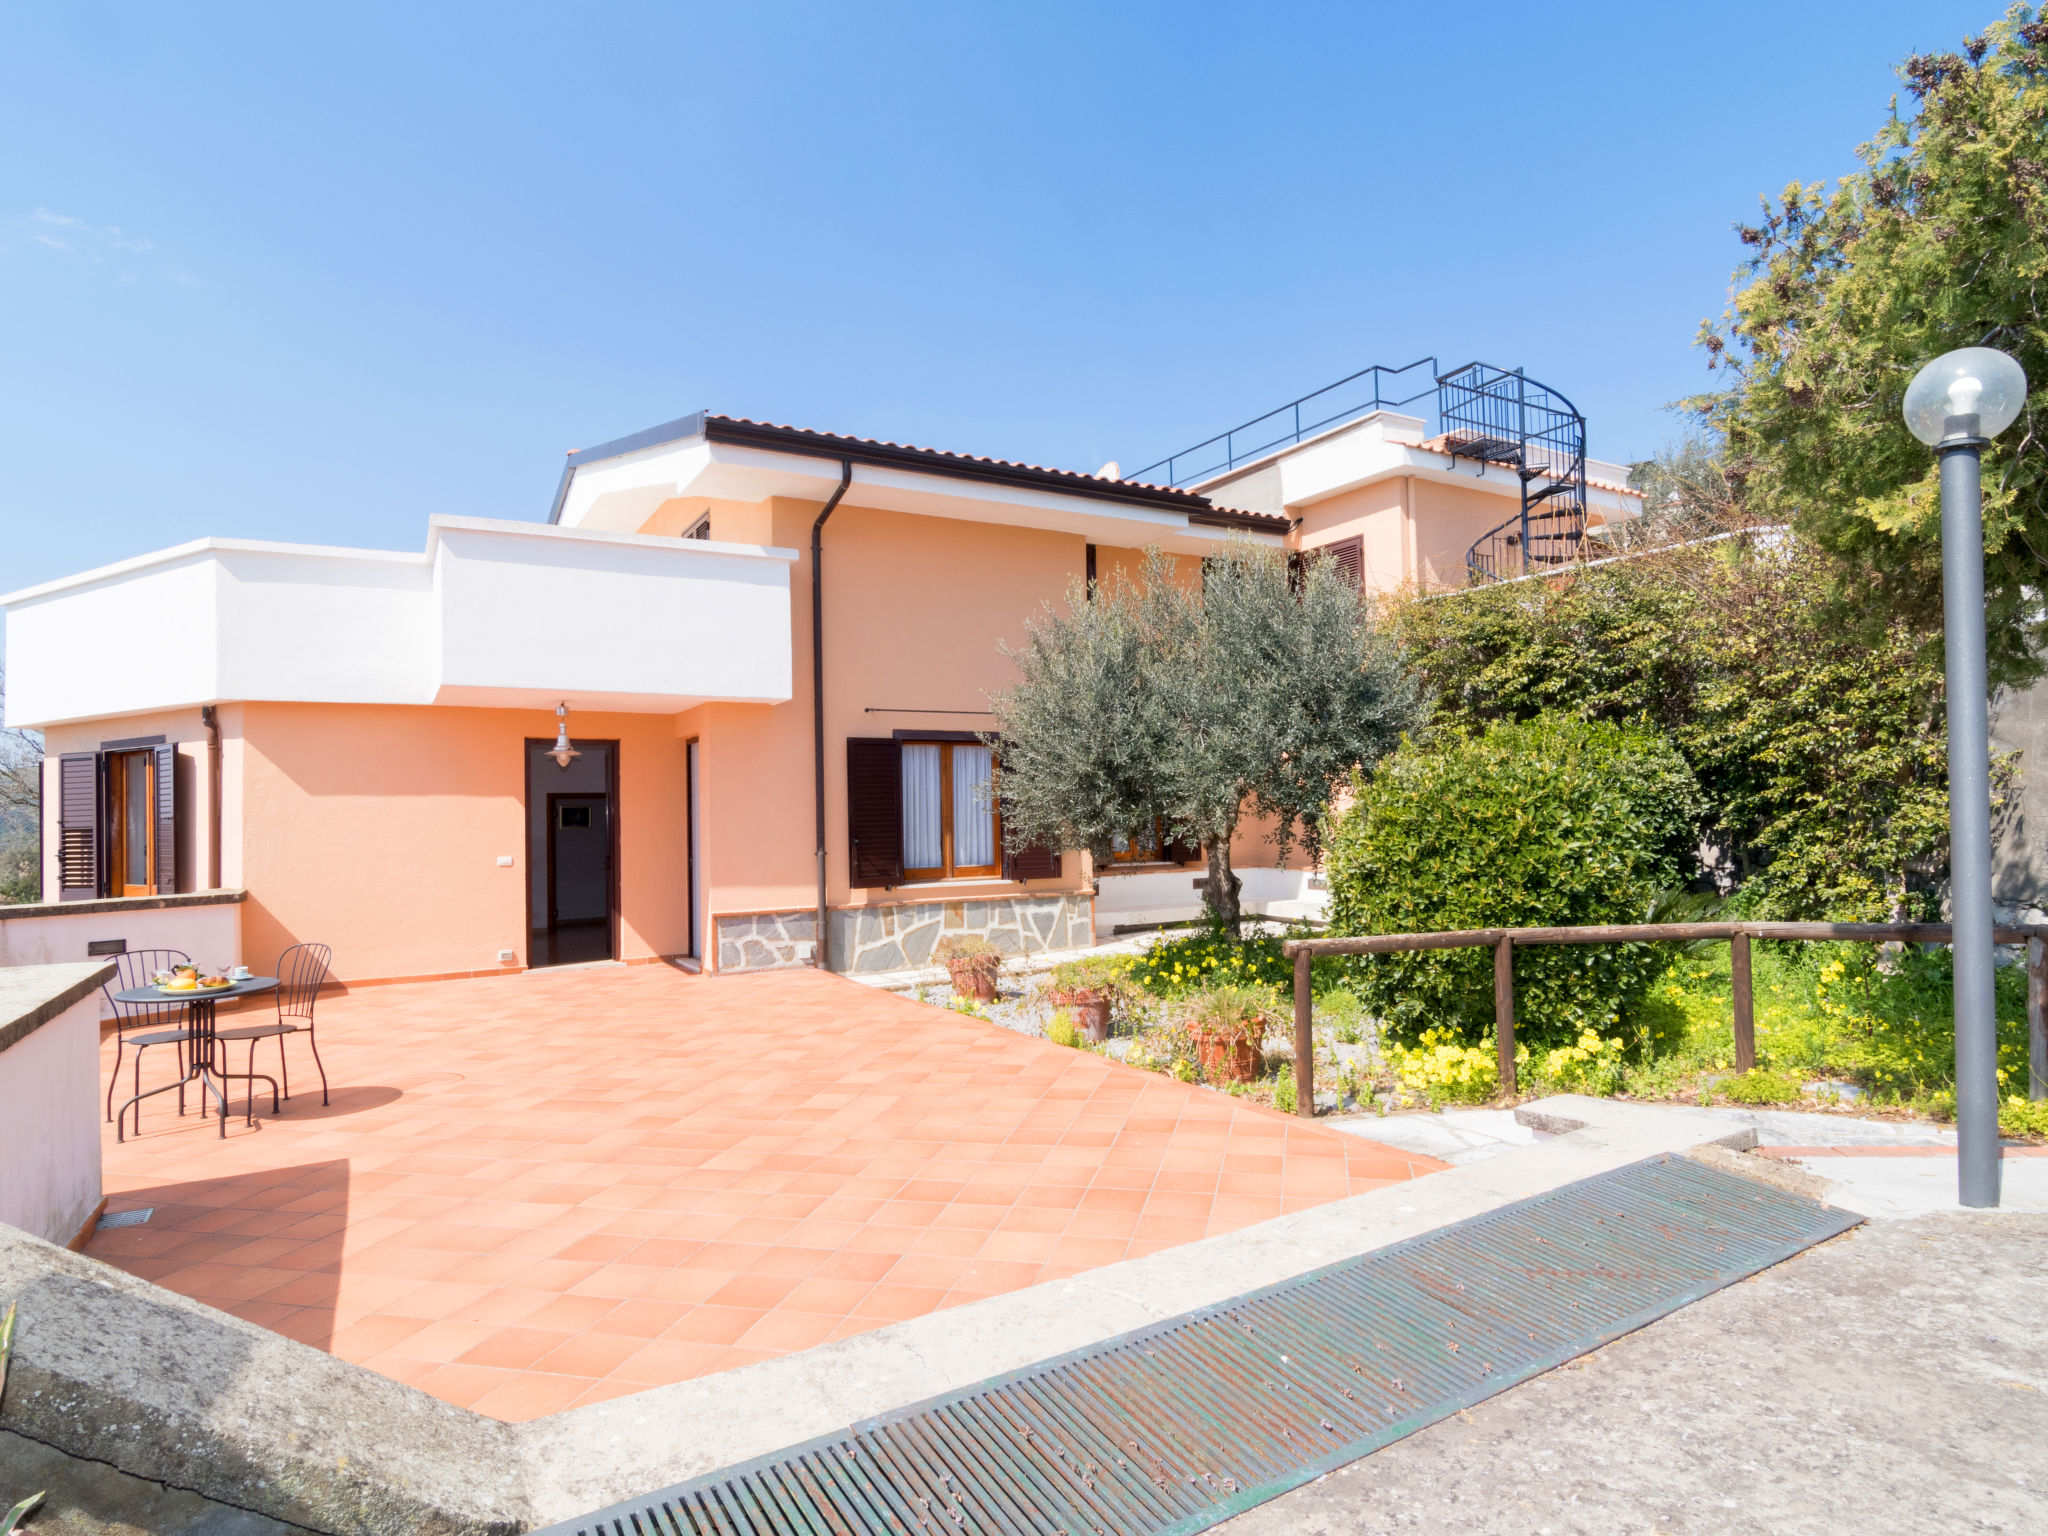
<point x="1956" y="405"/>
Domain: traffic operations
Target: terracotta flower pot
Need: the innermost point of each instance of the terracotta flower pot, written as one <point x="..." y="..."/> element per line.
<point x="1091" y="1015"/>
<point x="1229" y="1058"/>
<point x="975" y="977"/>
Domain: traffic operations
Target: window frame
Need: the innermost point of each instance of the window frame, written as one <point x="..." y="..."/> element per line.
<point x="1151" y="853"/>
<point x="946" y="869"/>
<point x="121" y="767"/>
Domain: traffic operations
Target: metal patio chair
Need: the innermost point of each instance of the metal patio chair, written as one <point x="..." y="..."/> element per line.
<point x="141" y="1025"/>
<point x="301" y="972"/>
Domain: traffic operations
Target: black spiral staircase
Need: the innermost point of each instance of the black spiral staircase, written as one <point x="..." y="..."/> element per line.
<point x="1488" y="415"/>
<point x="1493" y="416"/>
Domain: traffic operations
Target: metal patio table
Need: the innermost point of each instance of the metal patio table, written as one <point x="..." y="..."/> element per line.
<point x="206" y="1064"/>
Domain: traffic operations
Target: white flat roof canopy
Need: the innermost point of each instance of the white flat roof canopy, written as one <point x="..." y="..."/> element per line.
<point x="496" y="614"/>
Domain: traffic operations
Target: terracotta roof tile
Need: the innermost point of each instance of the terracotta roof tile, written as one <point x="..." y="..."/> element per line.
<point x="948" y="453"/>
<point x="1193" y="501"/>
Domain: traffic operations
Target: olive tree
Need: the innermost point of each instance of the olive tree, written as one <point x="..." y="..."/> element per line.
<point x="1163" y="700"/>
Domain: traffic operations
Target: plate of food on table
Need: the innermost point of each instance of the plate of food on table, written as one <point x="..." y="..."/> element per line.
<point x="189" y="978"/>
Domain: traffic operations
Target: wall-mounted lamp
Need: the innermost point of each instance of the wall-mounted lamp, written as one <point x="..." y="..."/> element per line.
<point x="561" y="751"/>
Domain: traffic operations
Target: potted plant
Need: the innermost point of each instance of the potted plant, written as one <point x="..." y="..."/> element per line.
<point x="1228" y="1027"/>
<point x="1093" y="988"/>
<point x="972" y="962"/>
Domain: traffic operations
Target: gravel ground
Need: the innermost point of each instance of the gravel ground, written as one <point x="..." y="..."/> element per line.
<point x="1022" y="1006"/>
<point x="1894" y="1380"/>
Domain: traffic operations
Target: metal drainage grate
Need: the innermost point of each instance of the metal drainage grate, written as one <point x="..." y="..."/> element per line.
<point x="126" y="1218"/>
<point x="1185" y="1423"/>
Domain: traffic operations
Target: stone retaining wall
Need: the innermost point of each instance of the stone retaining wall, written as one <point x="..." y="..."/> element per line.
<point x="901" y="936"/>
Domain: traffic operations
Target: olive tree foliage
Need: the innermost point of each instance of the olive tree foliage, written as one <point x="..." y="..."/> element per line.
<point x="1940" y="241"/>
<point x="1255" y="691"/>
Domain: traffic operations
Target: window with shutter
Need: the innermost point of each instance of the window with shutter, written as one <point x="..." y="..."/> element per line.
<point x="78" y="826"/>
<point x="1152" y="846"/>
<point x="874" y="811"/>
<point x="1349" y="555"/>
<point x="139" y="803"/>
<point x="951" y="829"/>
<point x="166" y="819"/>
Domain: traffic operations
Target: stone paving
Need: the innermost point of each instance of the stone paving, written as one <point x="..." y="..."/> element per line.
<point x="543" y="1191"/>
<point x="1894" y="1380"/>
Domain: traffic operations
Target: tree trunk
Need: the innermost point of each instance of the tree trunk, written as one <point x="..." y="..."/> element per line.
<point x="1224" y="888"/>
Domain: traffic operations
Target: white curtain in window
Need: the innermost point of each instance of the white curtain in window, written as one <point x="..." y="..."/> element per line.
<point x="921" y="845"/>
<point x="974" y="841"/>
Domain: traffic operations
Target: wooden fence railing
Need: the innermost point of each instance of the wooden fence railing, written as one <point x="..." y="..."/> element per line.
<point x="1502" y="942"/>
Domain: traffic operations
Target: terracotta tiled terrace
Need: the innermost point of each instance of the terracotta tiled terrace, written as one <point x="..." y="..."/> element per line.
<point x="541" y="1191"/>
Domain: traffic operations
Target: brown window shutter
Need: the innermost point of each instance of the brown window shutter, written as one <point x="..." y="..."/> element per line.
<point x="874" y="810"/>
<point x="1038" y="863"/>
<point x="166" y="820"/>
<point x="80" y="776"/>
<point x="1350" y="557"/>
<point x="1180" y="853"/>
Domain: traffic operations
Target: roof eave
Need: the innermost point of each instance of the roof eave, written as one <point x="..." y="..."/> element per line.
<point x="707" y="427"/>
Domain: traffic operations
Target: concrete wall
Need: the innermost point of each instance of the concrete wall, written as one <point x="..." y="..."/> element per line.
<point x="915" y="608"/>
<point x="377" y="831"/>
<point x="181" y="728"/>
<point x="49" y="1098"/>
<point x="208" y="927"/>
<point x="1148" y="897"/>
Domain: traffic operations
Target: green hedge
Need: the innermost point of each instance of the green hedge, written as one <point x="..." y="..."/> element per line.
<point x="1552" y="821"/>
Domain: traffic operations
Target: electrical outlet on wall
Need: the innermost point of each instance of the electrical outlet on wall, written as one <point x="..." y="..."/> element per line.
<point x="806" y="951"/>
<point x="507" y="956"/>
<point x="504" y="861"/>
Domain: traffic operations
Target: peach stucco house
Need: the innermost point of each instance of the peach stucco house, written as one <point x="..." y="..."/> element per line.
<point x="354" y="746"/>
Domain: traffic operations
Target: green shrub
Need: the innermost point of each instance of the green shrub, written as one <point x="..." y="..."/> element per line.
<point x="1062" y="1030"/>
<point x="1553" y="821"/>
<point x="1094" y="976"/>
<point x="2023" y="1117"/>
<point x="1760" y="1085"/>
<point x="1196" y="959"/>
<point x="1591" y="1064"/>
<point x="1883" y="1020"/>
<point x="1230" y="1009"/>
<point x="1341" y="1011"/>
<point x="1443" y="1069"/>
<point x="1284" y="1098"/>
<point x="1093" y="973"/>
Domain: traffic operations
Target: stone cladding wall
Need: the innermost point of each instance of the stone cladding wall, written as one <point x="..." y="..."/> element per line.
<point x="901" y="936"/>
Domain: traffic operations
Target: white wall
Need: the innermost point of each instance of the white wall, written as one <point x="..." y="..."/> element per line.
<point x="607" y="621"/>
<point x="211" y="934"/>
<point x="1169" y="896"/>
<point x="50" y="1125"/>
<point x="493" y="614"/>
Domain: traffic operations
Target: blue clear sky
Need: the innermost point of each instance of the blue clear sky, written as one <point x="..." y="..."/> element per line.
<point x="313" y="273"/>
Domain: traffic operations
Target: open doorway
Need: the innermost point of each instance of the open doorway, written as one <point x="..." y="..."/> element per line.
<point x="572" y="854"/>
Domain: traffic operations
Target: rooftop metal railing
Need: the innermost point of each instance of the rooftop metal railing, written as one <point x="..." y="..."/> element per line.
<point x="1369" y="389"/>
